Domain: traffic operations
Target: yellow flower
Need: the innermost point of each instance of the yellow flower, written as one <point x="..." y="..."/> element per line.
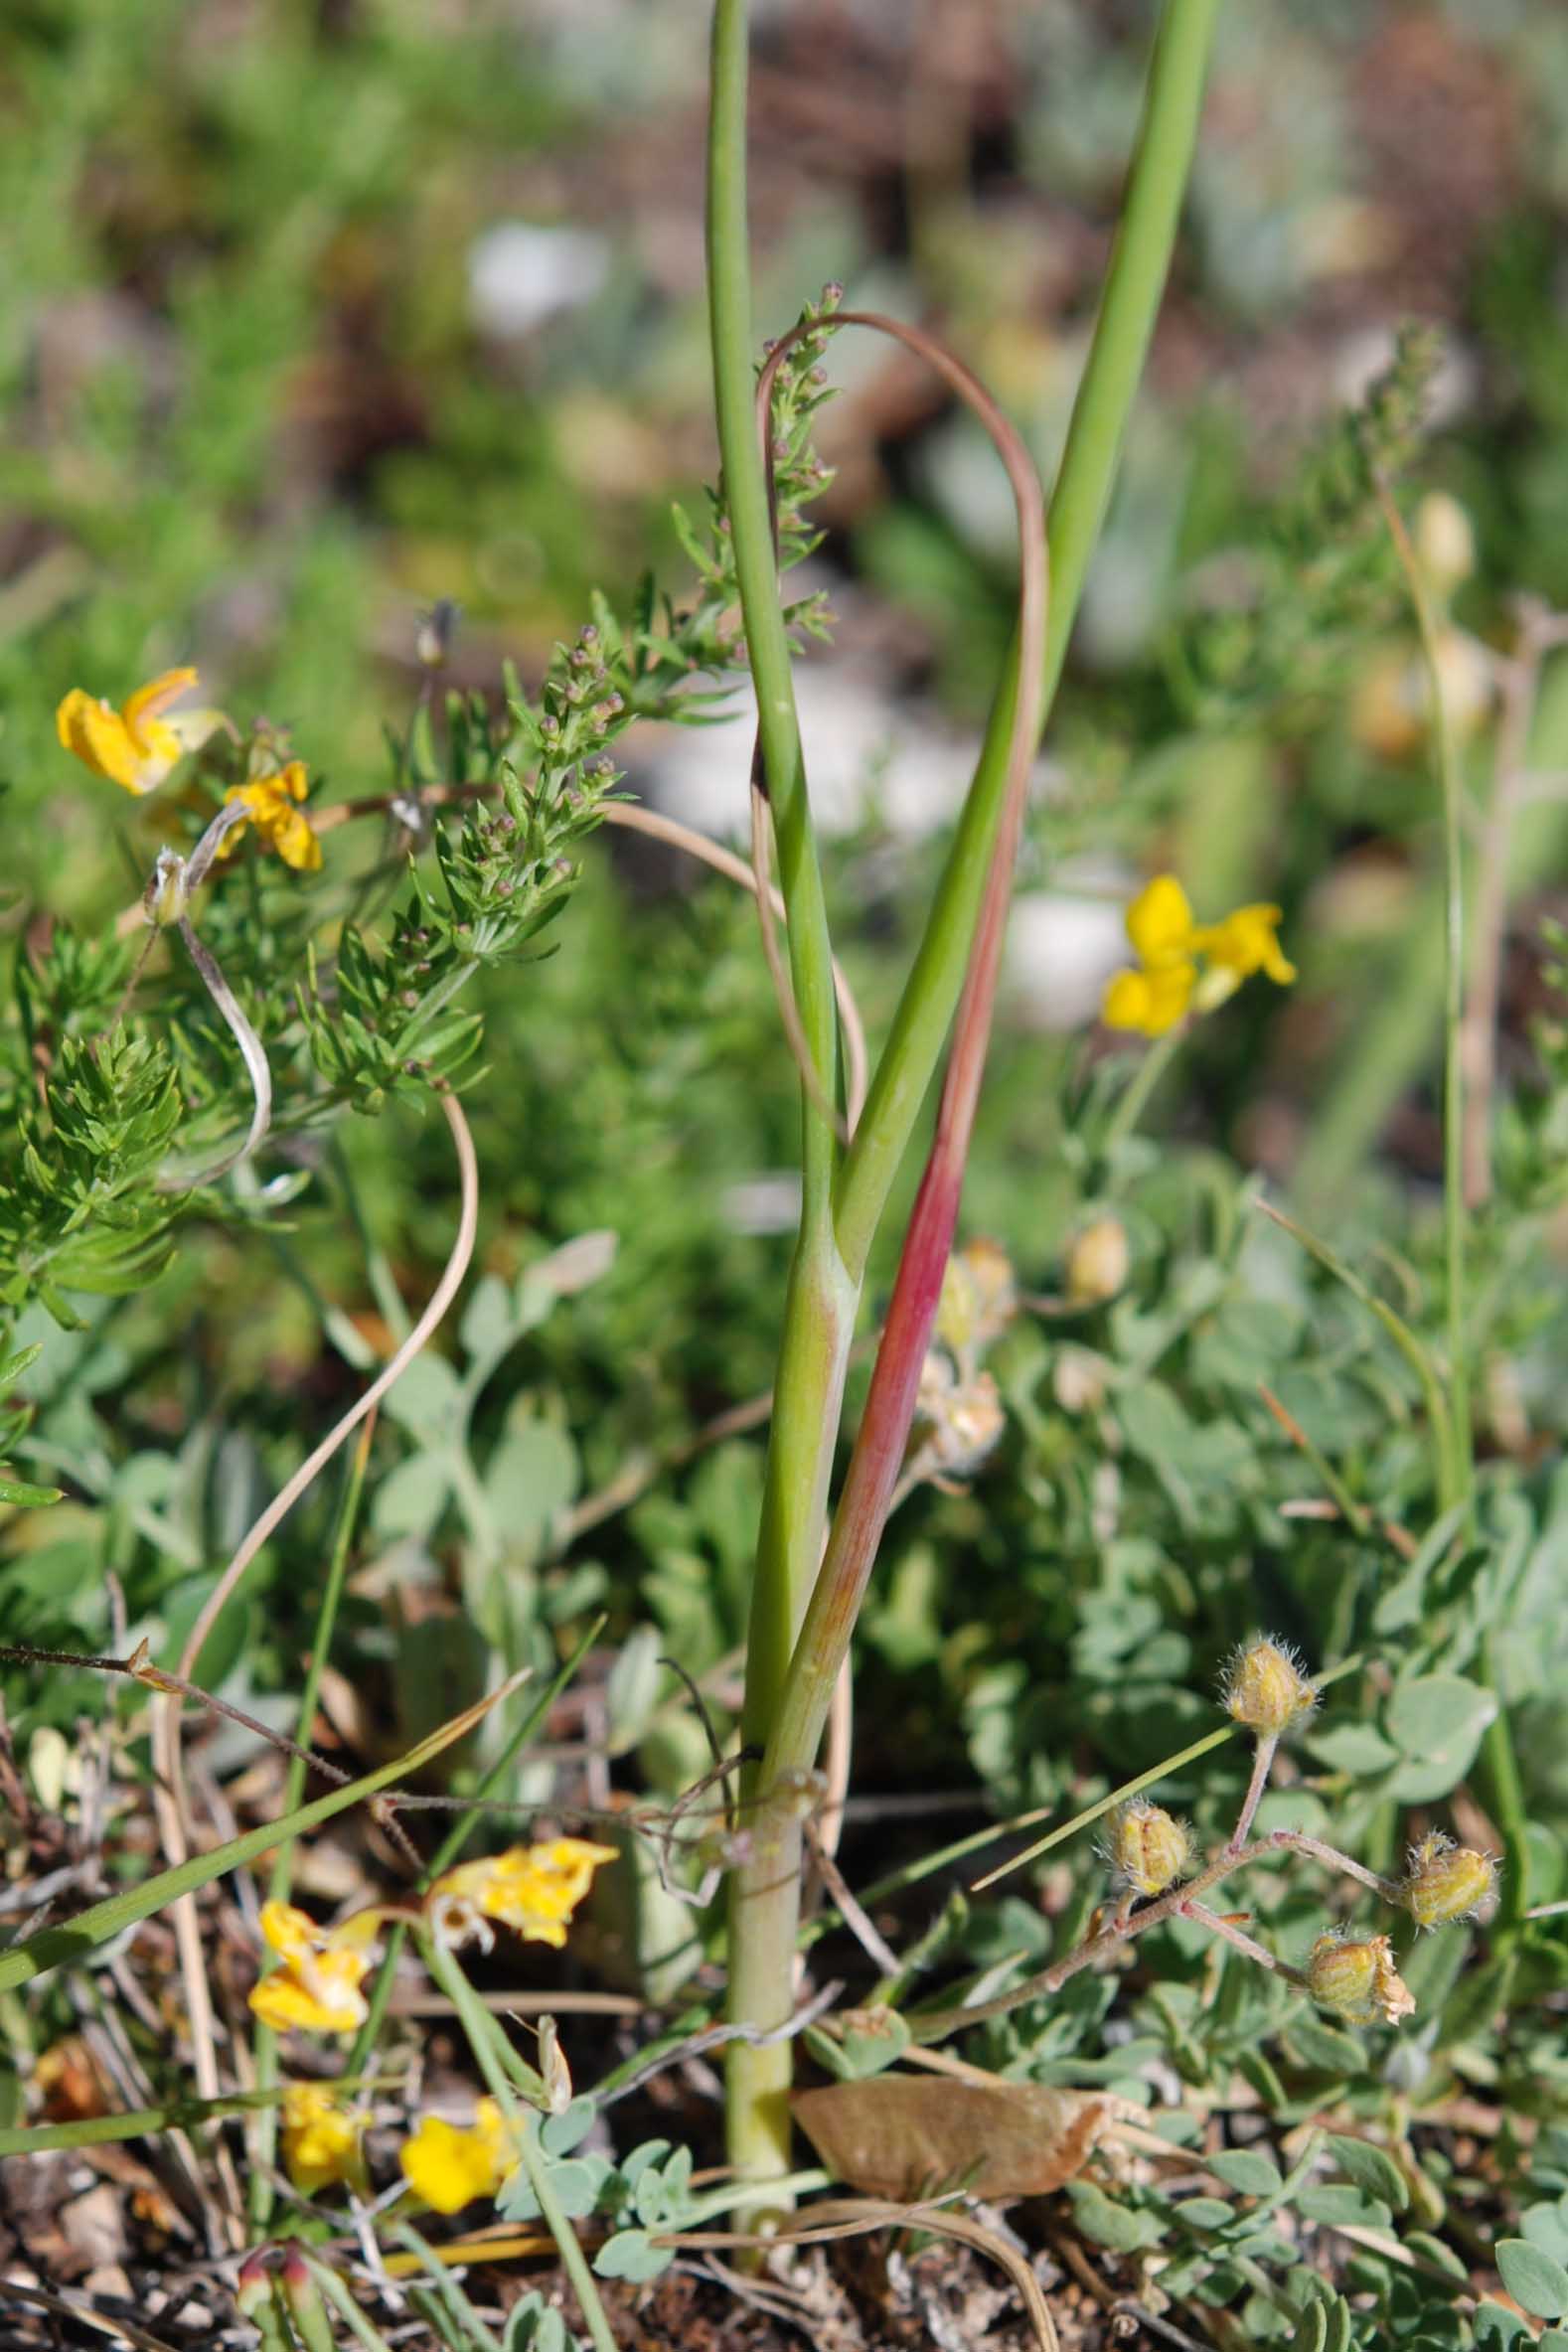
<point x="316" y="1984"/>
<point x="320" y="2139"/>
<point x="283" y="826"/>
<point x="1152" y="1001"/>
<point x="449" y="2167"/>
<point x="1158" y="992"/>
<point x="138" y="746"/>
<point x="1160" y="922"/>
<point x="532" y="1888"/>
<point x="1247" y="942"/>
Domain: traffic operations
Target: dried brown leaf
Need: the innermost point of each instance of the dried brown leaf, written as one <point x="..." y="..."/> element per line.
<point x="907" y="2135"/>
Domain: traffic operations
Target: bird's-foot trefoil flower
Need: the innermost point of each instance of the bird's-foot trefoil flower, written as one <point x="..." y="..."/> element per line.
<point x="139" y="744"/>
<point x="449" y="2166"/>
<point x="533" y="1889"/>
<point x="272" y="802"/>
<point x="316" y="1983"/>
<point x="320" y="2138"/>
<point x="1172" y="949"/>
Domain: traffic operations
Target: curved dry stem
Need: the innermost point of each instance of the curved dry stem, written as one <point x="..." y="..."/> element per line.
<point x="169" y="1784"/>
<point x="638" y="819"/>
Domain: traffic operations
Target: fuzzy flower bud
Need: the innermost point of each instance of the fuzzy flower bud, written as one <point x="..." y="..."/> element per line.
<point x="1148" y="1848"/>
<point x="1446" y="1881"/>
<point x="1354" y="1977"/>
<point x="1266" y="1689"/>
<point x="1097" y="1263"/>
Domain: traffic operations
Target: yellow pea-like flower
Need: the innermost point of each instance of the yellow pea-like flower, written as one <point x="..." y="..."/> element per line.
<point x="1167" y="983"/>
<point x="450" y="2166"/>
<point x="272" y="802"/>
<point x="139" y="744"/>
<point x="320" y="2139"/>
<point x="533" y="1889"/>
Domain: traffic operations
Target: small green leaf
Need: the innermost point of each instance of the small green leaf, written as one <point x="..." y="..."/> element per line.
<point x="559" y="2134"/>
<point x="1251" y="2175"/>
<point x="1311" y="2331"/>
<point x="1373" y="2170"/>
<point x="1344" y="2207"/>
<point x="1110" y="2223"/>
<point x="1497" y="2327"/>
<point x="1204" y="2213"/>
<point x="633" y="2255"/>
<point x="1437" y="1721"/>
<point x="22" y="1496"/>
<point x="1537" y="2281"/>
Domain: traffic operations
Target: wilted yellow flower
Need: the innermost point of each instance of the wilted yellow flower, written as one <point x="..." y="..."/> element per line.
<point x="449" y="2167"/>
<point x="320" y="2139"/>
<point x="1168" y="942"/>
<point x="1356" y="1978"/>
<point x="533" y="1889"/>
<point x="1265" y="1688"/>
<point x="283" y="826"/>
<point x="138" y="746"/>
<point x="316" y="1984"/>
<point x="1446" y="1881"/>
<point x="1147" y="1847"/>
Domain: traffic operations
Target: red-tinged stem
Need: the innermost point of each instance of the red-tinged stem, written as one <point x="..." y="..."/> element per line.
<point x="883" y="1437"/>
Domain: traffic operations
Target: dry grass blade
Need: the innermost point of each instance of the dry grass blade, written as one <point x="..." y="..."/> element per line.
<point x="169" y="1792"/>
<point x="61" y="2306"/>
<point x="858" y="2217"/>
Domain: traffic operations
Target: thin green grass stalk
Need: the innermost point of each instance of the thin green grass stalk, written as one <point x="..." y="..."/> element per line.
<point x="363" y="2330"/>
<point x="1455" y="1212"/>
<point x="53" y="1948"/>
<point x="485" y="2038"/>
<point x="447" y="2292"/>
<point x="262" y="2191"/>
<point x="454" y="1843"/>
<point x="1499" y="1765"/>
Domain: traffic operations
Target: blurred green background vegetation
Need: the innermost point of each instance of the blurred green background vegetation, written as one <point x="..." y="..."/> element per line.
<point x="315" y="311"/>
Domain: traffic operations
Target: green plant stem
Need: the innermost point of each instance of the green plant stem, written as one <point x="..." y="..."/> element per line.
<point x="262" y="2193"/>
<point x="830" y="1265"/>
<point x="1135" y="279"/>
<point x="820" y="1302"/>
<point x="1455" y="1213"/>
<point x="363" y="2330"/>
<point x="565" y="2237"/>
<point x="484" y="2035"/>
<point x="1502" y="1785"/>
<point x="1135" y="1100"/>
<point x="751" y="529"/>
